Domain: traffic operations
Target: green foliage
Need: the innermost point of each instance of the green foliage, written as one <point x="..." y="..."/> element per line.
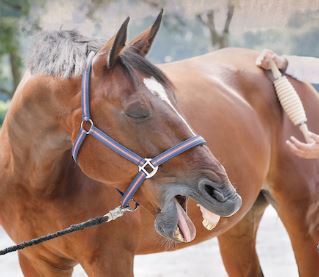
<point x="4" y="105"/>
<point x="13" y="8"/>
<point x="12" y="12"/>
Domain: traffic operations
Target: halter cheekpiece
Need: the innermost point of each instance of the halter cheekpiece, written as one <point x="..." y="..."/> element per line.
<point x="147" y="167"/>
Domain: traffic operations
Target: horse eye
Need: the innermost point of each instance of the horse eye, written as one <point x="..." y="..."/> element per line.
<point x="137" y="110"/>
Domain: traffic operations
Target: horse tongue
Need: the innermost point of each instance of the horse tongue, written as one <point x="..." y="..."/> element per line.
<point x="185" y="224"/>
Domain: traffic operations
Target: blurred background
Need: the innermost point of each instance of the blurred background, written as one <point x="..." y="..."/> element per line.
<point x="189" y="28"/>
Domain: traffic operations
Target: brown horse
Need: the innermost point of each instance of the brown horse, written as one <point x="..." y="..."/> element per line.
<point x="225" y="97"/>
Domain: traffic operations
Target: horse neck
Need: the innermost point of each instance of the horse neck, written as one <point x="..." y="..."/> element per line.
<point x="35" y="134"/>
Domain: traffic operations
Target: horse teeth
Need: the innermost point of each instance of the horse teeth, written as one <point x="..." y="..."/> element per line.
<point x="177" y="231"/>
<point x="178" y="235"/>
<point x="180" y="238"/>
<point x="209" y="226"/>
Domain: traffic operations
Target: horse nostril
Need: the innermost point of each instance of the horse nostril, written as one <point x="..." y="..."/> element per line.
<point x="211" y="189"/>
<point x="214" y="193"/>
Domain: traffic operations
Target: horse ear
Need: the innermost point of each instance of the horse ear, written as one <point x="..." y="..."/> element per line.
<point x="109" y="53"/>
<point x="142" y="43"/>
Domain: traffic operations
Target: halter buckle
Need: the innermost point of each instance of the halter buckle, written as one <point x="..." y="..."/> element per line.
<point x="91" y="125"/>
<point x="148" y="164"/>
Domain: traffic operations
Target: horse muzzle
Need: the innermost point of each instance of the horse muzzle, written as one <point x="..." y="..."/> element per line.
<point x="214" y="200"/>
<point x="221" y="199"/>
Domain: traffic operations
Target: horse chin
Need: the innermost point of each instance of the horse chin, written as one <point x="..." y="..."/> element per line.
<point x="174" y="223"/>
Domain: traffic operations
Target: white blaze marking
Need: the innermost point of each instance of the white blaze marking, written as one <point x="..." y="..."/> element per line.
<point x="158" y="90"/>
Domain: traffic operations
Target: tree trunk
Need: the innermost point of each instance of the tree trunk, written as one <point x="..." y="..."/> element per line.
<point x="15" y="68"/>
<point x="218" y="40"/>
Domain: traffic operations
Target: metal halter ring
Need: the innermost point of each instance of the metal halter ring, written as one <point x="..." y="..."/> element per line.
<point x="148" y="163"/>
<point x="91" y="125"/>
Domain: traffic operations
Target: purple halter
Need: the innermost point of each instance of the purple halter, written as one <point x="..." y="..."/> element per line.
<point x="143" y="163"/>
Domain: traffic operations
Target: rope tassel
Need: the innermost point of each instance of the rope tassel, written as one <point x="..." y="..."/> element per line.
<point x="290" y="100"/>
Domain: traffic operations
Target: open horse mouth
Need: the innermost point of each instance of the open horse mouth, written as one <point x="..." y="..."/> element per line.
<point x="214" y="201"/>
<point x="185" y="230"/>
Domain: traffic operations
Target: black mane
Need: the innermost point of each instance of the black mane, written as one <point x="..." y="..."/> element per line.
<point x="132" y="61"/>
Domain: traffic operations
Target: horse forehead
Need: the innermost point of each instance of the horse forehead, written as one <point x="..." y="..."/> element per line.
<point x="156" y="88"/>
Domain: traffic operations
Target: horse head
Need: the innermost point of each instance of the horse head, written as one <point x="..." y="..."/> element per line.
<point x="133" y="102"/>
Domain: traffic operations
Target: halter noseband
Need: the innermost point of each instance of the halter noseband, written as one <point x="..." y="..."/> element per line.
<point x="147" y="167"/>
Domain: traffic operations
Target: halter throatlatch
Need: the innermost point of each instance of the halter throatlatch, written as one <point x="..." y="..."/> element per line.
<point x="147" y="167"/>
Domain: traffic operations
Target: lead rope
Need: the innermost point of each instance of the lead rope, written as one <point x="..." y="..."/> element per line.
<point x="111" y="215"/>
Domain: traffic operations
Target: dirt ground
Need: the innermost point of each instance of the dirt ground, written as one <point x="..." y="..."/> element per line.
<point x="202" y="260"/>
